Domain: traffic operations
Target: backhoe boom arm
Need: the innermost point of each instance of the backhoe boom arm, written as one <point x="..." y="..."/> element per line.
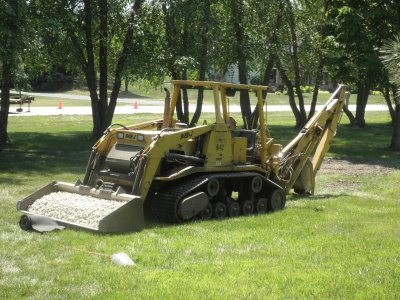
<point x="296" y="170"/>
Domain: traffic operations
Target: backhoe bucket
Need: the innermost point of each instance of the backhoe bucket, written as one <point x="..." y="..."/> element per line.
<point x="305" y="183"/>
<point x="79" y="206"/>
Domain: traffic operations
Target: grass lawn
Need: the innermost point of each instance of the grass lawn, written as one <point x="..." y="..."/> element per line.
<point x="343" y="242"/>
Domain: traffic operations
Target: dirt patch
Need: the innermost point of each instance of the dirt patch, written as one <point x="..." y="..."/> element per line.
<point x="354" y="168"/>
<point x="339" y="186"/>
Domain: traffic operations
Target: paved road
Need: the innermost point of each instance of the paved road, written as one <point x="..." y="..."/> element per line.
<point x="143" y="106"/>
<point x="149" y="101"/>
<point x="155" y="109"/>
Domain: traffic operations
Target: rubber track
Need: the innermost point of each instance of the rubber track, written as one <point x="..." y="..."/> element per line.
<point x="165" y="203"/>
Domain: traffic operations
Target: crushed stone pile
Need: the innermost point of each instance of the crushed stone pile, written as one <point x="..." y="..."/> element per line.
<point x="74" y="208"/>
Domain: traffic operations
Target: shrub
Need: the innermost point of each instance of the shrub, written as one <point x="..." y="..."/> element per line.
<point x="52" y="82"/>
<point x="376" y="93"/>
<point x="307" y="89"/>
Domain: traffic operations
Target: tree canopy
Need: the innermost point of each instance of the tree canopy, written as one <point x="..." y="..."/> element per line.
<point x="105" y="41"/>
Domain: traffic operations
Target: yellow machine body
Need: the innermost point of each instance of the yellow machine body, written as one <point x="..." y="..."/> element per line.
<point x="212" y="170"/>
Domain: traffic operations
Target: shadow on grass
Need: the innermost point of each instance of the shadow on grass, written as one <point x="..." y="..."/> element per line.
<point x="295" y="197"/>
<point x="151" y="222"/>
<point x="368" y="145"/>
<point x="132" y="95"/>
<point x="46" y="153"/>
<point x="15" y="181"/>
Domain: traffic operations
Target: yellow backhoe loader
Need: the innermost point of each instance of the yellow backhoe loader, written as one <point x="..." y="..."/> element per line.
<point x="179" y="173"/>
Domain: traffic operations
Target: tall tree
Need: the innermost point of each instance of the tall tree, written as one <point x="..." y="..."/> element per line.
<point x="186" y="33"/>
<point x="103" y="112"/>
<point x="5" y="100"/>
<point x="357" y="31"/>
<point x="266" y="24"/>
<point x="292" y="21"/>
<point x="288" y="59"/>
<point x="177" y="48"/>
<point x="237" y="19"/>
<point x="313" y="50"/>
<point x="204" y="21"/>
<point x="391" y="59"/>
<point x="293" y="40"/>
<point x="272" y="42"/>
<point x="12" y="18"/>
<point x="100" y="35"/>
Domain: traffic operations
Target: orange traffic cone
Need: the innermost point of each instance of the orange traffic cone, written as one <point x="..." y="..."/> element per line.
<point x="59" y="104"/>
<point x="135" y="105"/>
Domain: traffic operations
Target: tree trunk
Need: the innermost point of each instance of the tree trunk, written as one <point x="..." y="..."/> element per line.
<point x="265" y="81"/>
<point x="395" y="143"/>
<point x="178" y="106"/>
<point x="123" y="55"/>
<point x="126" y="84"/>
<point x="199" y="106"/>
<point x="362" y="99"/>
<point x="200" y="95"/>
<point x="90" y="72"/>
<point x="171" y="38"/>
<point x="270" y="63"/>
<point x="244" y="94"/>
<point x="5" y="102"/>
<point x="237" y="21"/>
<point x="102" y="111"/>
<point x="185" y="45"/>
<point x="318" y="79"/>
<point x="203" y="58"/>
<point x="103" y="82"/>
<point x="267" y="73"/>
<point x="295" y="61"/>
<point x="245" y="108"/>
<point x="185" y="99"/>
<point x="179" y="110"/>
<point x="292" y="101"/>
<point x="273" y="44"/>
<point x="350" y="115"/>
<point x="321" y="29"/>
<point x="386" y="94"/>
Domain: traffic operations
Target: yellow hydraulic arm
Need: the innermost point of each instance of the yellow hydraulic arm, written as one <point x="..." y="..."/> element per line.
<point x="295" y="168"/>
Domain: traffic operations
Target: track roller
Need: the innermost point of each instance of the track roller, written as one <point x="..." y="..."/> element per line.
<point x="206" y="214"/>
<point x="256" y="184"/>
<point x="261" y="205"/>
<point x="219" y="210"/>
<point x="233" y="209"/>
<point x="276" y="200"/>
<point x="247" y="207"/>
<point x="213" y="187"/>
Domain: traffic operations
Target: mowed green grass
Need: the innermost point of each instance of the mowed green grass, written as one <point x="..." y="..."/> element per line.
<point x="339" y="243"/>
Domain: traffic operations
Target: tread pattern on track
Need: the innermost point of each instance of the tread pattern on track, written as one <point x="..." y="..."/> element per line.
<point x="165" y="203"/>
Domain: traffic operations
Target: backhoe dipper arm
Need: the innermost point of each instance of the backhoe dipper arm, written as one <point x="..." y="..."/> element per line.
<point x="314" y="139"/>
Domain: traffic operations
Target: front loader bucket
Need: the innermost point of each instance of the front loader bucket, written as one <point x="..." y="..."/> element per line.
<point x="80" y="206"/>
